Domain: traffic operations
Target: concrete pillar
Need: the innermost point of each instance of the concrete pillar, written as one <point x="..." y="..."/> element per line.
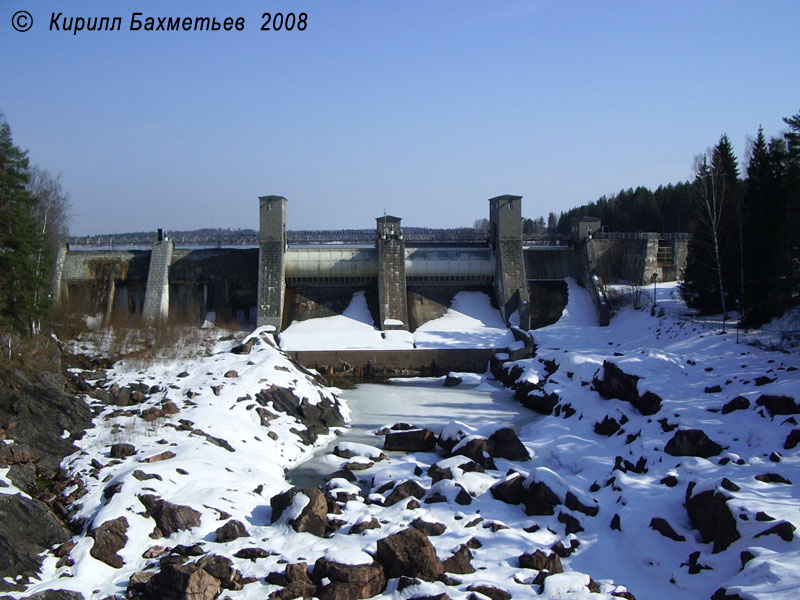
<point x="650" y="265"/>
<point x="271" y="261"/>
<point x="156" y="294"/>
<point x="510" y="285"/>
<point x="391" y="274"/>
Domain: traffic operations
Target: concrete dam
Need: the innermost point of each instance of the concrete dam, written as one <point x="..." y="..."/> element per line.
<point x="408" y="280"/>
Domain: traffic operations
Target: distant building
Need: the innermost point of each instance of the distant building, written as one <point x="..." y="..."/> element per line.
<point x="581" y="228"/>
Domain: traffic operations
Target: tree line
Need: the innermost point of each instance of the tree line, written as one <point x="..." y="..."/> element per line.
<point x="33" y="222"/>
<point x="745" y="252"/>
<point x="745" y="249"/>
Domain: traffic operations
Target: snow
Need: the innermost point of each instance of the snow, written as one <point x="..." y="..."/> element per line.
<point x="470" y="322"/>
<point x="675" y="357"/>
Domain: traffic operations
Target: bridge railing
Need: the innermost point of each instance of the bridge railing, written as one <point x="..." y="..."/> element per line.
<point x="640" y="235"/>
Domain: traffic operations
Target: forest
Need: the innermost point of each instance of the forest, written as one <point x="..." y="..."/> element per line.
<point x="745" y="250"/>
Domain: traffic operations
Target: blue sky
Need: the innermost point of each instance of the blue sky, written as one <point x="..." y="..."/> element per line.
<point x="423" y="108"/>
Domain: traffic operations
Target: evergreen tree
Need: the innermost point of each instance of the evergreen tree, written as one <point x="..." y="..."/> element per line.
<point x="22" y="284"/>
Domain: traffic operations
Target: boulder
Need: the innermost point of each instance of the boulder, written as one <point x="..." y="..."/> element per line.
<point x="429" y="529"/>
<point x="122" y="450"/>
<point x="232" y="530"/>
<point x="452" y="380"/>
<point x="477" y="449"/>
<point x="181" y="582"/>
<point x="779" y="405"/>
<point x="347" y="582"/>
<point x="607" y="427"/>
<point x="410" y="553"/>
<point x="55" y="595"/>
<point x="782" y="529"/>
<point x="692" y="442"/>
<point x="738" y="403"/>
<point x="504" y="443"/>
<point x="489" y="591"/>
<point x="509" y="490"/>
<point x="317" y="417"/>
<point x="404" y="490"/>
<point x="792" y="439"/>
<point x="460" y="562"/>
<point x="414" y="440"/>
<point x="169" y="517"/>
<point x="540" y="402"/>
<point x="615" y="383"/>
<point x="709" y="513"/>
<point x="221" y="568"/>
<point x="541" y="562"/>
<point x="539" y="499"/>
<point x="313" y="518"/>
<point x="27" y="528"/>
<point x="110" y="538"/>
<point x="664" y="528"/>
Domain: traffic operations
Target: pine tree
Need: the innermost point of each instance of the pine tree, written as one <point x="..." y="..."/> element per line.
<point x="22" y="284"/>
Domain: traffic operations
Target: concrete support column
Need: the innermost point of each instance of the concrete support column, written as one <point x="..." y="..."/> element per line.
<point x="392" y="274"/>
<point x="510" y="284"/>
<point x="156" y="295"/>
<point x="271" y="261"/>
<point x="650" y="258"/>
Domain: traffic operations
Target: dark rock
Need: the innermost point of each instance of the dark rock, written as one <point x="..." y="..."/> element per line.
<point x="193" y="550"/>
<point x="541" y="562"/>
<point x="772" y="478"/>
<point x="476" y="449"/>
<point x="608" y="426"/>
<point x="778" y="405"/>
<point x="429" y="529"/>
<point x="182" y="582"/>
<point x="437" y="473"/>
<point x="692" y="442"/>
<point x="27" y="528"/>
<point x="415" y="440"/>
<point x="783" y="529"/>
<point x="109" y="539"/>
<point x="347" y="582"/>
<point x="763" y="380"/>
<point x="722" y="594"/>
<point x="571" y="524"/>
<point x="452" y="380"/>
<point x="151" y="414"/>
<point x="665" y="529"/>
<point x="713" y="389"/>
<point x="460" y="562"/>
<point x="404" y="490"/>
<point x="541" y="403"/>
<point x="738" y="403"/>
<point x="618" y="384"/>
<point x="364" y="525"/>
<point x="252" y="553"/>
<point x="539" y="499"/>
<point x="232" y="530"/>
<point x="572" y="503"/>
<point x="232" y="374"/>
<point x="142" y="476"/>
<point x="312" y="519"/>
<point x="410" y="553"/>
<point x="694" y="566"/>
<point x="490" y="591"/>
<point x="318" y="418"/>
<point x="509" y="490"/>
<point x="55" y="595"/>
<point x="709" y="513"/>
<point x="792" y="439"/>
<point x="221" y="568"/>
<point x="166" y="455"/>
<point x="504" y="443"/>
<point x="727" y="484"/>
<point x="669" y="481"/>
<point x="615" y="523"/>
<point x="122" y="450"/>
<point x="170" y="517"/>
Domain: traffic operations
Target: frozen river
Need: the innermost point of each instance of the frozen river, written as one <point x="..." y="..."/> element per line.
<point x="421" y="402"/>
